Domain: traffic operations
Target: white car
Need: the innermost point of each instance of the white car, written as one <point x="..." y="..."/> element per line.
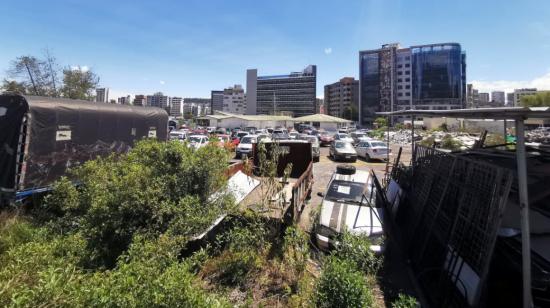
<point x="197" y="141"/>
<point x="245" y="146"/>
<point x="343" y="137"/>
<point x="349" y="204"/>
<point x="372" y="149"/>
<point x="293" y="135"/>
<point x="178" y="135"/>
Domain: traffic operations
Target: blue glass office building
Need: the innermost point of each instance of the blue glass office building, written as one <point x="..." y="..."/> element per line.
<point x="420" y="77"/>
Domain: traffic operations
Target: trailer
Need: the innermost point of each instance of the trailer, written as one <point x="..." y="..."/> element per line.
<point x="42" y="138"/>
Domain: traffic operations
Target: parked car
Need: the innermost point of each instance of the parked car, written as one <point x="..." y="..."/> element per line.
<point x="197" y="141"/>
<point x="250" y="129"/>
<point x="357" y="135"/>
<point x="178" y="135"/>
<point x="315" y="147"/>
<point x="340" y="150"/>
<point x="343" y="137"/>
<point x="241" y="134"/>
<point x="372" y="149"/>
<point x="222" y="140"/>
<point x="245" y="146"/>
<point x="293" y="135"/>
<point x="352" y="191"/>
<point x="325" y="138"/>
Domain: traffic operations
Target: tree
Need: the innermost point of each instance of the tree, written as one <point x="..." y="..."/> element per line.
<point x="29" y="69"/>
<point x="37" y="76"/>
<point x="540" y="99"/>
<point x="14" y="86"/>
<point x="79" y="83"/>
<point x="381" y="122"/>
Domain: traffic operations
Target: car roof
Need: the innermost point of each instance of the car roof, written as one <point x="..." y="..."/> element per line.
<point x="360" y="176"/>
<point x="197" y="136"/>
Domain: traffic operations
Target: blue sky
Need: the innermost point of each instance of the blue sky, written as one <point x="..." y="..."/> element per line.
<point x="187" y="48"/>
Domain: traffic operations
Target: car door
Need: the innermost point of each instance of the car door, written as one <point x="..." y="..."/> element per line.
<point x="361" y="149"/>
<point x="331" y="149"/>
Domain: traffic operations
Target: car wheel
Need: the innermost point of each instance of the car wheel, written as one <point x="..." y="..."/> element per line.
<point x="367" y="157"/>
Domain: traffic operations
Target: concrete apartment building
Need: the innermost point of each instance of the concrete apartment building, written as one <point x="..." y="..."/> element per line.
<point x="124" y="100"/>
<point x="426" y="77"/>
<point x="510" y="99"/>
<point x="234" y="100"/>
<point x="102" y="95"/>
<point x="140" y="100"/>
<point x="196" y="106"/>
<point x="519" y="93"/>
<point x="216" y="101"/>
<point x="342" y="98"/>
<point x="293" y="94"/>
<point x="176" y="106"/>
<point x="498" y="97"/>
<point x="484" y="98"/>
<point x="157" y="100"/>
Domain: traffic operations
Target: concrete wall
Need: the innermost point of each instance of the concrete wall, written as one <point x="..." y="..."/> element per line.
<point x="492" y="126"/>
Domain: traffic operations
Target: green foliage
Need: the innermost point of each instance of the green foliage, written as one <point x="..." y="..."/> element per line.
<point x="448" y="142"/>
<point x="44" y="272"/>
<point x="540" y="99"/>
<point x="427" y="142"/>
<point x="79" y="83"/>
<point x="399" y="126"/>
<point x="13" y="86"/>
<point x="381" y="122"/>
<point x="356" y="249"/>
<point x="378" y="133"/>
<point x="443" y="127"/>
<point x="494" y="139"/>
<point x="157" y="188"/>
<point x="295" y="248"/>
<point x="342" y="285"/>
<point x="405" y="301"/>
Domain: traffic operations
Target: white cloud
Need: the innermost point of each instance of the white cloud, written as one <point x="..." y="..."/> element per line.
<point x="328" y="50"/>
<point x="162" y="82"/>
<point x="83" y="68"/>
<point x="541" y="83"/>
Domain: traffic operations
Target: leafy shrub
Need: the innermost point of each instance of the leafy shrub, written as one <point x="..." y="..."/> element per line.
<point x="156" y="188"/>
<point x="405" y="301"/>
<point x="43" y="273"/>
<point x="14" y="231"/>
<point x="356" y="249"/>
<point x="427" y="142"/>
<point x="295" y="249"/>
<point x="448" y="142"/>
<point x="342" y="285"/>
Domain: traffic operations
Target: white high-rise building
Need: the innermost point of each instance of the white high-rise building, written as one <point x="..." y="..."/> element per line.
<point x="175" y="106"/>
<point x="234" y="100"/>
<point x="102" y="95"/>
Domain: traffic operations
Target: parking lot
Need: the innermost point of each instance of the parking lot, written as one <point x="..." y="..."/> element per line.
<point x="324" y="169"/>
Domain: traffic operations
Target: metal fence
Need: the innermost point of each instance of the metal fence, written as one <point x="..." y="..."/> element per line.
<point x="453" y="207"/>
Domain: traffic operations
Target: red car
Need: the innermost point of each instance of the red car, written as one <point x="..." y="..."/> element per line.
<point x="325" y="138"/>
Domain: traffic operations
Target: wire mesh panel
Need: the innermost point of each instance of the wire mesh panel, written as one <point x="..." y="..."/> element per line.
<point x="455" y="206"/>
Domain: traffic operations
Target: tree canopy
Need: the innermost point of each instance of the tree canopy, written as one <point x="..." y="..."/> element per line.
<point x="541" y="99"/>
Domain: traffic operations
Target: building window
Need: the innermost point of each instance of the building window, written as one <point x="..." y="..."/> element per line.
<point x="399" y="66"/>
<point x="399" y="80"/>
<point x="407" y="65"/>
<point x="399" y="73"/>
<point x="407" y="72"/>
<point x="407" y="87"/>
<point x="399" y="94"/>
<point x="407" y="79"/>
<point x="399" y="87"/>
<point x="408" y="94"/>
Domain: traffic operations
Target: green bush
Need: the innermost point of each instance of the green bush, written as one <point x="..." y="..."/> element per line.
<point x="427" y="142"/>
<point x="356" y="249"/>
<point x="157" y="188"/>
<point x="405" y="301"/>
<point x="448" y="142"/>
<point x="342" y="285"/>
<point x="295" y="248"/>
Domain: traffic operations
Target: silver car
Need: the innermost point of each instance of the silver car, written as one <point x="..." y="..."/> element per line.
<point x="342" y="150"/>
<point x="315" y="147"/>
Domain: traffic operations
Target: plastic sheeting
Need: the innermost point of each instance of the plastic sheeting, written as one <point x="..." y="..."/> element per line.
<point x="63" y="133"/>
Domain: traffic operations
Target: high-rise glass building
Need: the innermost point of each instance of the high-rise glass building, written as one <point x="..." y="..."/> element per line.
<point x="292" y="94"/>
<point x="419" y="77"/>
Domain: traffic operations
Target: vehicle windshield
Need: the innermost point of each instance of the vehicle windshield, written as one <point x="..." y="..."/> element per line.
<point x="359" y="135"/>
<point x="311" y="139"/>
<point x="343" y="145"/>
<point x="345" y="191"/>
<point x="195" y="139"/>
<point x="241" y="134"/>
<point x="342" y="136"/>
<point x="378" y="144"/>
<point x="247" y="140"/>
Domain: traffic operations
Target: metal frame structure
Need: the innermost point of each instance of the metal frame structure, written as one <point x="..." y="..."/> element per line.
<point x="519" y="114"/>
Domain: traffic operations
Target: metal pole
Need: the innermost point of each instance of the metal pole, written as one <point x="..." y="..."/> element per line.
<point x="524" y="206"/>
<point x="412" y="137"/>
<point x="388" y="148"/>
<point x="505" y="130"/>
